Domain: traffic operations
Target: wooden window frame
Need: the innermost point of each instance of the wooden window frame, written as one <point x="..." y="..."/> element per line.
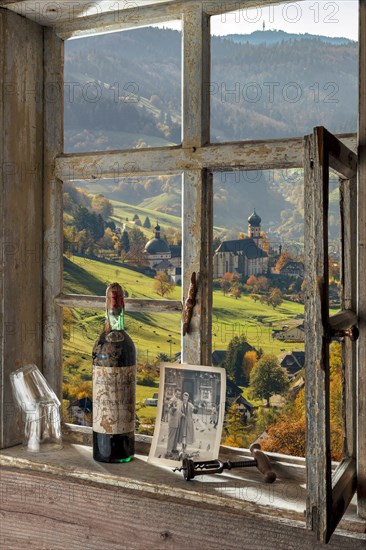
<point x="196" y="158"/>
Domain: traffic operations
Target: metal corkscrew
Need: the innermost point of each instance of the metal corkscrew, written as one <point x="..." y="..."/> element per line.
<point x="192" y="469"/>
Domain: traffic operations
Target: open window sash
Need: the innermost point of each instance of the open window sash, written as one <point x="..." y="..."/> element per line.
<point x="329" y="494"/>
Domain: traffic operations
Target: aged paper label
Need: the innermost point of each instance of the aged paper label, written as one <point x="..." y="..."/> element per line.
<point x="114" y="395"/>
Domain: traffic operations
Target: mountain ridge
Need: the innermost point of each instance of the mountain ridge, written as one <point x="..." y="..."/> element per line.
<point x="275" y="36"/>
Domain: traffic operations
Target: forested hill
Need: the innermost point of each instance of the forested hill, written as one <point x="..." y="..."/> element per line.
<point x="284" y="89"/>
<point x="123" y="90"/>
<point x="258" y="91"/>
<point x="275" y="36"/>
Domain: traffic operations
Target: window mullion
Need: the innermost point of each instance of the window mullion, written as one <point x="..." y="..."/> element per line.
<point x="197" y="184"/>
<point x="196" y="77"/>
<point x="53" y="210"/>
<point x="197" y="245"/>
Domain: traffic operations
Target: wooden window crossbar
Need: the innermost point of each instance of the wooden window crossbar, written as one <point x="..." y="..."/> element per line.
<point x="131" y="304"/>
<point x="249" y="155"/>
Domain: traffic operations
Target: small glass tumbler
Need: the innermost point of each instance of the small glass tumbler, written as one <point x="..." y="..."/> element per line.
<point x="40" y="408"/>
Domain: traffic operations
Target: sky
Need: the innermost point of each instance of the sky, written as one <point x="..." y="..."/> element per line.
<point x="322" y="17"/>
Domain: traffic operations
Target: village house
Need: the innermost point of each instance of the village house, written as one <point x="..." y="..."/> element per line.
<point x="294" y="334"/>
<point x="293" y="362"/>
<point x="293" y="269"/>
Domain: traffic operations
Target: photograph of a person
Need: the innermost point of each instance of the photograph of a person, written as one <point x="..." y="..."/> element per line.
<point x="190" y="413"/>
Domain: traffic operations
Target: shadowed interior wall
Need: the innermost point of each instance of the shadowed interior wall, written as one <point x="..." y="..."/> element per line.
<point x="21" y="157"/>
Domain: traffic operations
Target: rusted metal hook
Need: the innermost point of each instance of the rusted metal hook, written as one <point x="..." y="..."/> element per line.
<point x="190" y="303"/>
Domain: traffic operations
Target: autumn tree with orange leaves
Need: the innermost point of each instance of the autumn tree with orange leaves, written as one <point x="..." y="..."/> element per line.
<point x="287" y="435"/>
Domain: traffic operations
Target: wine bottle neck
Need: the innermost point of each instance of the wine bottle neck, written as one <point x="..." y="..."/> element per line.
<point x="115" y="313"/>
<point x="116" y="322"/>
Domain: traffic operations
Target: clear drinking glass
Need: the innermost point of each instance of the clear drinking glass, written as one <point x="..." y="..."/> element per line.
<point x="40" y="408"/>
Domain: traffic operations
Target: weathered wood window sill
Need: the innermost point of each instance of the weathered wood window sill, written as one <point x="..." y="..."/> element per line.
<point x="65" y="499"/>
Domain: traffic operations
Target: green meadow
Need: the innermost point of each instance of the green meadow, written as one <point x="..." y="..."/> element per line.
<point x="121" y="211"/>
<point x="154" y="333"/>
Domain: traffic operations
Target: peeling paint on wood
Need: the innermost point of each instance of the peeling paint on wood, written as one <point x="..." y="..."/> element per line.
<point x="72" y="19"/>
<point x="316" y="341"/>
<point x="325" y="505"/>
<point x="244" y="155"/>
<point x="196" y="76"/>
<point x="139" y="14"/>
<point x="196" y="246"/>
<point x="197" y="184"/>
<point x="348" y="199"/>
<point x="340" y="158"/>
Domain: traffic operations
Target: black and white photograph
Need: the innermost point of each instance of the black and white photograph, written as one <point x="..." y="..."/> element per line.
<point x="190" y="414"/>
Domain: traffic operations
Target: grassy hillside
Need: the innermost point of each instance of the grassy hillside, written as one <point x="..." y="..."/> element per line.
<point x="256" y="321"/>
<point x="160" y="332"/>
<point x="156" y="333"/>
<point x="122" y="210"/>
<point x="86" y="276"/>
<point x="149" y="331"/>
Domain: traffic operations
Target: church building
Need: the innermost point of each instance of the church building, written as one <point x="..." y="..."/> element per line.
<point x="243" y="256"/>
<point x="157" y="251"/>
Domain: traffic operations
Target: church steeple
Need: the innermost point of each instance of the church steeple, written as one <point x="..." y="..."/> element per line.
<point x="157" y="230"/>
<point x="254" y="229"/>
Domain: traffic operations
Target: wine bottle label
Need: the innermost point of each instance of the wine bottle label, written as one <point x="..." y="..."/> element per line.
<point x="114" y="396"/>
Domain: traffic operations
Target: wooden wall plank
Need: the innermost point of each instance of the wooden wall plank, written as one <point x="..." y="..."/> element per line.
<point x="119" y="20"/>
<point x="44" y="511"/>
<point x="2" y="199"/>
<point x="361" y="375"/>
<point x="21" y="46"/>
<point x="53" y="210"/>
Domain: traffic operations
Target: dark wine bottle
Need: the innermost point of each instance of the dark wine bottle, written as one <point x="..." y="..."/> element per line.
<point x="114" y="385"/>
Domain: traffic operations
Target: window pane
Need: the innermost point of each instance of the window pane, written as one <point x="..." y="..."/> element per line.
<point x="123" y="90"/>
<point x="334" y="244"/>
<point x="127" y="229"/>
<point x="258" y="306"/>
<point x="276" y="73"/>
<point x="335" y="348"/>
